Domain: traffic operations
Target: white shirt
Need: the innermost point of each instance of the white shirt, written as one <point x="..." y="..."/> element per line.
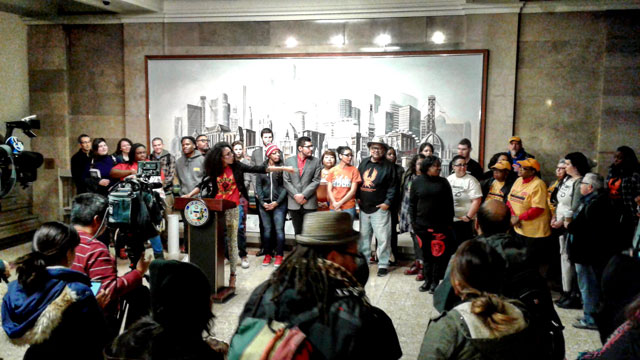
<point x="565" y="197"/>
<point x="465" y="190"/>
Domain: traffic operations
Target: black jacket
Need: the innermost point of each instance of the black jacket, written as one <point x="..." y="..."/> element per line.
<point x="209" y="187"/>
<point x="485" y="185"/>
<point x="592" y="242"/>
<point x="431" y="203"/>
<point x="269" y="187"/>
<point x="79" y="166"/>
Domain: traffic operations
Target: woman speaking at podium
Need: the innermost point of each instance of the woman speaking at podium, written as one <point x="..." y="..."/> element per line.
<point x="224" y="180"/>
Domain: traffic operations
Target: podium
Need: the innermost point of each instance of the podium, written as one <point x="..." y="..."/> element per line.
<point x="204" y="232"/>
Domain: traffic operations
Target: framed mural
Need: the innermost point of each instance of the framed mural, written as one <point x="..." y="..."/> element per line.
<point x="335" y="99"/>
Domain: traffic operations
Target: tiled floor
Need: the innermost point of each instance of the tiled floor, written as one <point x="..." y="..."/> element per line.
<point x="396" y="294"/>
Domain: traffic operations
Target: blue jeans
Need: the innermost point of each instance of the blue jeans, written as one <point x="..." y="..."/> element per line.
<point x="351" y="212"/>
<point x="377" y="223"/>
<point x="156" y="244"/>
<point x="589" y="289"/>
<point x="274" y="220"/>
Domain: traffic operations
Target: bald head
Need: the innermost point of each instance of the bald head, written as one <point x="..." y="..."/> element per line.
<point x="493" y="218"/>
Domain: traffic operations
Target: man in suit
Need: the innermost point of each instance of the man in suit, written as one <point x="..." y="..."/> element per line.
<point x="257" y="158"/>
<point x="301" y="185"/>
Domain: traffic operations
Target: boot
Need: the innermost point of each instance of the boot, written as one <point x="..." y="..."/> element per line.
<point x="158" y="255"/>
<point x="414" y="269"/>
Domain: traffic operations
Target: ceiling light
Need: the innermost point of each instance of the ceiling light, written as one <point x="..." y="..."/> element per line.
<point x="383" y="40"/>
<point x="337" y="40"/>
<point x="438" y="37"/>
<point x="291" y="42"/>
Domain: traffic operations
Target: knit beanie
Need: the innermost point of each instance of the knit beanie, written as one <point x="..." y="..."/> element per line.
<point x="271" y="148"/>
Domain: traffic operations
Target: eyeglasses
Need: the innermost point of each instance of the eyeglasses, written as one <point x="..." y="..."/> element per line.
<point x="203" y="140"/>
<point x="459" y="165"/>
<point x="308" y="146"/>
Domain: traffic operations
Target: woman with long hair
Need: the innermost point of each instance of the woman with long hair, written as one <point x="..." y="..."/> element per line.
<point x="413" y="171"/>
<point x="623" y="184"/>
<point x="272" y="206"/>
<point x="431" y="215"/>
<point x="568" y="197"/>
<point x="426" y="149"/>
<point x="123" y="150"/>
<point x="484" y="325"/>
<point x="99" y="179"/>
<point x="225" y="180"/>
<point x="50" y="307"/>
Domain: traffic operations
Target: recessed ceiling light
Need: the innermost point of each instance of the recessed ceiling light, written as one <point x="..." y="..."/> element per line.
<point x="291" y="42"/>
<point x="438" y="37"/>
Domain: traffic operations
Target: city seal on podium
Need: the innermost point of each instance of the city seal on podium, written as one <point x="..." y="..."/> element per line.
<point x="196" y="213"/>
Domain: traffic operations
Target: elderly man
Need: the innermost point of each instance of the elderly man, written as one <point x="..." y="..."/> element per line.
<point x="301" y="185"/>
<point x="591" y="245"/>
<point x="517" y="152"/>
<point x="376" y="194"/>
<point x="319" y="291"/>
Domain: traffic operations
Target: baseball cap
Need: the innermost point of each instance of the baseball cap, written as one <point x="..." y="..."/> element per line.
<point x="530" y="163"/>
<point x="515" y="138"/>
<point x="501" y="165"/>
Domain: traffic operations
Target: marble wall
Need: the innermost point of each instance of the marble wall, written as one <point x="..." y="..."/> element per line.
<point x="562" y="81"/>
<point x="577" y="85"/>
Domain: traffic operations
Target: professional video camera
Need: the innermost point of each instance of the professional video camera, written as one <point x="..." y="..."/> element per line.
<point x="136" y="210"/>
<point x="15" y="163"/>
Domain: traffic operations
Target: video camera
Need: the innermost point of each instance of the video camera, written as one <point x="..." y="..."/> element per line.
<point x="17" y="165"/>
<point x="135" y="209"/>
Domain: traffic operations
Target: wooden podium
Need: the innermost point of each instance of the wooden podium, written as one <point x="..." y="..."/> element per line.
<point x="206" y="240"/>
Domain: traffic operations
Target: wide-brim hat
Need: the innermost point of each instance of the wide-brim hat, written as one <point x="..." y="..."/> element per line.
<point x="325" y="228"/>
<point x="378" y="140"/>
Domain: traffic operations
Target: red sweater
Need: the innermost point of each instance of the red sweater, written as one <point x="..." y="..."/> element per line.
<point x="94" y="260"/>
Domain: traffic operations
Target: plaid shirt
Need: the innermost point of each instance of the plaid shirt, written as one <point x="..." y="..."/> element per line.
<point x="405" y="220"/>
<point x="168" y="163"/>
<point x="630" y="189"/>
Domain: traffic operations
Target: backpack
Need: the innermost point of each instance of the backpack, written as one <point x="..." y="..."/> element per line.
<point x="264" y="339"/>
<point x="528" y="287"/>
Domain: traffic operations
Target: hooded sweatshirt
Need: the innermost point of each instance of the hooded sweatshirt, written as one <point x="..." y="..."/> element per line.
<point x="60" y="321"/>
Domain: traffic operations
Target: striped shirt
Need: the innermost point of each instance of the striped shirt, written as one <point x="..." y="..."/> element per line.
<point x="94" y="260"/>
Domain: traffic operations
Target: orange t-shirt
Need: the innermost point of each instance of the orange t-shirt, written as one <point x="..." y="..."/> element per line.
<point x="227" y="188"/>
<point x="341" y="180"/>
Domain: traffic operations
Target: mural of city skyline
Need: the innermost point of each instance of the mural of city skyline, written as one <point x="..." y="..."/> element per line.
<point x="335" y="101"/>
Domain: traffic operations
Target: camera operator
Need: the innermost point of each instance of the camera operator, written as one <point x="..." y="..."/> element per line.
<point x="88" y="216"/>
<point x="138" y="153"/>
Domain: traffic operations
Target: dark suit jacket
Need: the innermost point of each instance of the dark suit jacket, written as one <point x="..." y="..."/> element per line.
<point x="305" y="184"/>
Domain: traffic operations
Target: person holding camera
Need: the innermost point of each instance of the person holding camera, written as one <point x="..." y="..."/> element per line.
<point x="92" y="257"/>
<point x="225" y="180"/>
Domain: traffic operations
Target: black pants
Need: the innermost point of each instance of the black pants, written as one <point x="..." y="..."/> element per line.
<point x="437" y="247"/>
<point x="296" y="218"/>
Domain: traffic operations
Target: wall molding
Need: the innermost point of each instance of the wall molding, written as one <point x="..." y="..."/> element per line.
<point x="332" y="10"/>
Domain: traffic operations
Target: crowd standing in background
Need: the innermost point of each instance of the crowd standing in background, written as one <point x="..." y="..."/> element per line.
<point x="485" y="245"/>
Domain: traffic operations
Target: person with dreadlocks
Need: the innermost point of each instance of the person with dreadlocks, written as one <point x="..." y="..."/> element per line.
<point x="323" y="282"/>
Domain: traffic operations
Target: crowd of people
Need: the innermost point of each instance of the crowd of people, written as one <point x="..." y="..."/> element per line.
<point x="487" y="245"/>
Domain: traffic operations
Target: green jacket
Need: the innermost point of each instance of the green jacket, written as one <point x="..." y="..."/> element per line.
<point x="511" y="250"/>
<point x="461" y="335"/>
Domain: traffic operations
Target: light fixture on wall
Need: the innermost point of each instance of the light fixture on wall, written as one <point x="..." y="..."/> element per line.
<point x="338" y="40"/>
<point x="548" y="102"/>
<point x="291" y="42"/>
<point x="438" y="37"/>
<point x="383" y="40"/>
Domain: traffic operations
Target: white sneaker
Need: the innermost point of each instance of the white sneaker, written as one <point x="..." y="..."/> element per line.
<point x="245" y="263"/>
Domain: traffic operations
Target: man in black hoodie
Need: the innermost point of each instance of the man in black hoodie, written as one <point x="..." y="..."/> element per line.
<point x="376" y="194"/>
